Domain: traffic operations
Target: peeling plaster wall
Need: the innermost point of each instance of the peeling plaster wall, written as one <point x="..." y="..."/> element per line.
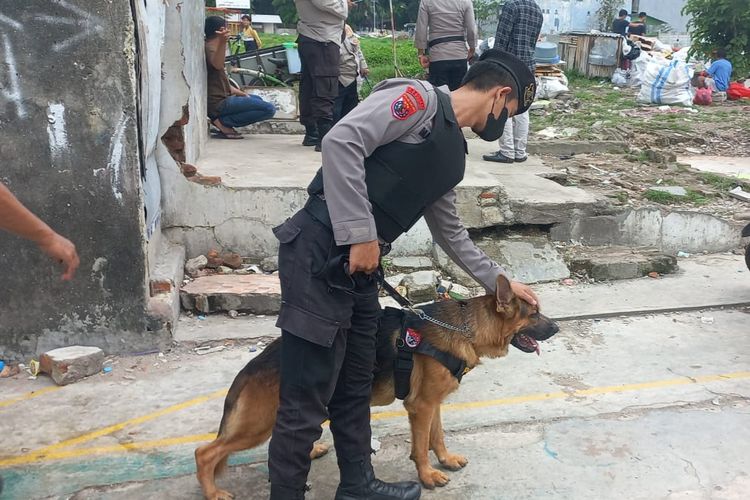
<point x="184" y="83"/>
<point x="69" y="150"/>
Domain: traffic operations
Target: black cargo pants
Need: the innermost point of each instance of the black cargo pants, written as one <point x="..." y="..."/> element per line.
<point x="327" y="353"/>
<point x="450" y="73"/>
<point x="320" y="80"/>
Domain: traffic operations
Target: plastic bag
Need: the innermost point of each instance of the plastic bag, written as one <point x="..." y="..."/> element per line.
<point x="549" y="87"/>
<point x="666" y="84"/>
<point x="738" y="91"/>
<point x="620" y="77"/>
<point x="703" y="97"/>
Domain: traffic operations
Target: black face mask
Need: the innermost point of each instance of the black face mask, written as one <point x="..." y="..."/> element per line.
<point x="494" y="127"/>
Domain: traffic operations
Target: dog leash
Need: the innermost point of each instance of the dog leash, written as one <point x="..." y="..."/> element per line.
<point x="407" y="304"/>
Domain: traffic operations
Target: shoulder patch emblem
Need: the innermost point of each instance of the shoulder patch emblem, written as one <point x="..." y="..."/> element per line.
<point x="413" y="339"/>
<point x="417" y="97"/>
<point x="407" y="104"/>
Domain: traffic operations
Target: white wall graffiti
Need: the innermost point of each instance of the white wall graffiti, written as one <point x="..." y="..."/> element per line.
<point x="86" y="23"/>
<point x="58" y="136"/>
<point x="10" y="22"/>
<point x="89" y="22"/>
<point x="12" y="90"/>
<point x="116" y="153"/>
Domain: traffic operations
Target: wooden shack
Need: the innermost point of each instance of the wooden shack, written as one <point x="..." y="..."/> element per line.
<point x="595" y="55"/>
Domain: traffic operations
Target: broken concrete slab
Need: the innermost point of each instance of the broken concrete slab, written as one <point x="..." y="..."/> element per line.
<point x="410" y="264"/>
<point x="740" y="194"/>
<point x="421" y="286"/>
<point x="71" y="364"/>
<point x="703" y="282"/>
<point x="618" y="263"/>
<point x="738" y="167"/>
<point x="254" y="293"/>
<point x="670" y="232"/>
<point x="261" y="190"/>
<point x="529" y="259"/>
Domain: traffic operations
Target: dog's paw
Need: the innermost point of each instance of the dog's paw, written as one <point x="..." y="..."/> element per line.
<point x="319" y="449"/>
<point x="221" y="495"/>
<point x="432" y="477"/>
<point x="454" y="462"/>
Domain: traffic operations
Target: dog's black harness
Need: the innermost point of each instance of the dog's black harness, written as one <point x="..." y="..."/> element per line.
<point x="411" y="341"/>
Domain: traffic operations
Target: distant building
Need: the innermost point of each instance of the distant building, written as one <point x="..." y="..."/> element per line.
<point x="561" y="16"/>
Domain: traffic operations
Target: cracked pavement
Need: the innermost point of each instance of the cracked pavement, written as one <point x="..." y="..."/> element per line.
<point x="652" y="406"/>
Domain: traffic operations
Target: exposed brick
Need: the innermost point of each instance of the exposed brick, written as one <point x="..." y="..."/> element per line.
<point x="214" y="260"/>
<point x="255" y="293"/>
<point x="188" y="170"/>
<point x="174" y="140"/>
<point x="205" y="180"/>
<point x="70" y="364"/>
<point x="160" y="286"/>
<point x="233" y="260"/>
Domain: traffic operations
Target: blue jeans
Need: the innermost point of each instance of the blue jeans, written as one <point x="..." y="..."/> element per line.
<point x="238" y="111"/>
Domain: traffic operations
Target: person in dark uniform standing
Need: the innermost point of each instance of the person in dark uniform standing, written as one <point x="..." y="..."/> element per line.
<point x="320" y="25"/>
<point x="393" y="159"/>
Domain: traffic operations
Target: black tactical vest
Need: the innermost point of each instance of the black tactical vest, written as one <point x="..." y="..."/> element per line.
<point x="404" y="179"/>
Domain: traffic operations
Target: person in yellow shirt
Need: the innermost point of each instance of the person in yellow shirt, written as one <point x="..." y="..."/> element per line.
<point x="249" y="36"/>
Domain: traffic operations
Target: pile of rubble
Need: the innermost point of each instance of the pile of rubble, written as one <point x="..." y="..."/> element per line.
<point x="215" y="262"/>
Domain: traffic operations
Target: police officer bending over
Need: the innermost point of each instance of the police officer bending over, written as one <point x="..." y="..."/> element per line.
<point x="394" y="158"/>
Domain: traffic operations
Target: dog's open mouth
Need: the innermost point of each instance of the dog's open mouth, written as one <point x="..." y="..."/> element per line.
<point x="525" y="343"/>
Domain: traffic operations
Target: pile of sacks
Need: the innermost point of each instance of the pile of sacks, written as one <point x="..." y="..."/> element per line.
<point x="662" y="75"/>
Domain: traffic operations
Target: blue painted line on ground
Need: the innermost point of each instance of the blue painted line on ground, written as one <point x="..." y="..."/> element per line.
<point x="67" y="477"/>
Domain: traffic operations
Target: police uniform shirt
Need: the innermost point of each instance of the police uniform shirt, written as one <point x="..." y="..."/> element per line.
<point x="442" y="18"/>
<point x="397" y="110"/>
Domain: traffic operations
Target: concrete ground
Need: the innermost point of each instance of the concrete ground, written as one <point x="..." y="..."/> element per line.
<point x="732" y="166"/>
<point x="630" y="404"/>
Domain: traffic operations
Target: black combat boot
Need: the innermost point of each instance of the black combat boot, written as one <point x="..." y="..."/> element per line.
<point x="311" y="136"/>
<point x="358" y="482"/>
<point x="279" y="492"/>
<point x="323" y="127"/>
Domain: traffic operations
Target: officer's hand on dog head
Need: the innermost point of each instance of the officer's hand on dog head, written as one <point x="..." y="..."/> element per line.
<point x="524" y="292"/>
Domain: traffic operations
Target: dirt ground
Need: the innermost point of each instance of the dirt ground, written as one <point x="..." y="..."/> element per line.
<point x="655" y="137"/>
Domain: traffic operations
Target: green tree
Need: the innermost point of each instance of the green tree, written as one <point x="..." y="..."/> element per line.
<point x="286" y="10"/>
<point x="723" y="24"/>
<point x="606" y="13"/>
<point x="486" y="10"/>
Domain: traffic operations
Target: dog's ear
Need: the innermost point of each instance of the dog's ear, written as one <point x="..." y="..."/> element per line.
<point x="503" y="294"/>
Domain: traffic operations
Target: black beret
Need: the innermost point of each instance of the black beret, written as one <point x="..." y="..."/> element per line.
<point x="525" y="81"/>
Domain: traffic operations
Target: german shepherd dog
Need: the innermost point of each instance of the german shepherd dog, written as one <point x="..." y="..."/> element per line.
<point x="495" y="322"/>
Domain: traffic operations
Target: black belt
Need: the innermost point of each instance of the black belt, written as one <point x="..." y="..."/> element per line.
<point x="445" y="39"/>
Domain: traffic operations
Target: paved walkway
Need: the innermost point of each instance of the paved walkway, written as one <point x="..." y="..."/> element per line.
<point x="640" y="407"/>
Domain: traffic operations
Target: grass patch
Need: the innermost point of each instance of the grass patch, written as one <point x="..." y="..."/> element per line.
<point x="379" y="55"/>
<point x="720" y="182"/>
<point x="692" y="197"/>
